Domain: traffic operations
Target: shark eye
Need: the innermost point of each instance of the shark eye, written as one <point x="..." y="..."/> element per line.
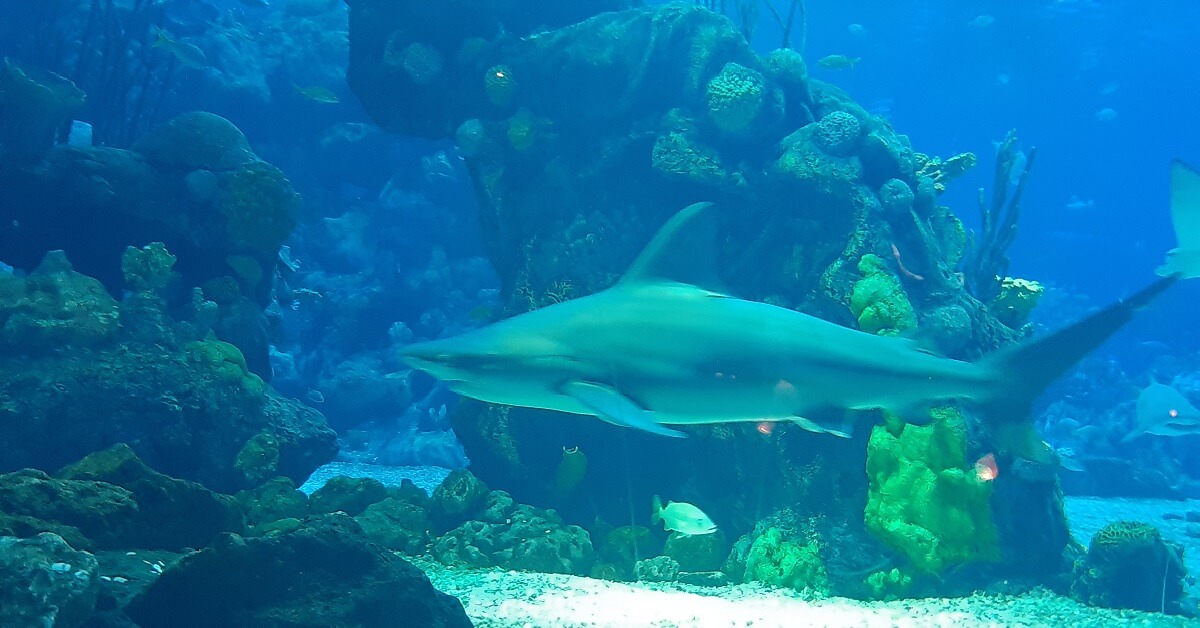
<point x="1173" y="413"/>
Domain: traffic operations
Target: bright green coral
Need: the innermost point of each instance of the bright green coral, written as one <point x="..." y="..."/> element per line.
<point x="735" y="96"/>
<point x="888" y="585"/>
<point x="778" y="561"/>
<point x="878" y="300"/>
<point x="923" y="500"/>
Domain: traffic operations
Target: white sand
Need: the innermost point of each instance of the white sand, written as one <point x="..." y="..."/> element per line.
<point x="516" y="599"/>
<point x="495" y="598"/>
<point x="426" y="478"/>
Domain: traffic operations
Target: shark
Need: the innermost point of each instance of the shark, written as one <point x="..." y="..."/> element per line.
<point x="1164" y="411"/>
<point x="668" y="346"/>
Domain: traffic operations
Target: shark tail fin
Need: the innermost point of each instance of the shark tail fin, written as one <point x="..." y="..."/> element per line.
<point x="656" y="507"/>
<point x="1022" y="371"/>
<point x="1184" y="260"/>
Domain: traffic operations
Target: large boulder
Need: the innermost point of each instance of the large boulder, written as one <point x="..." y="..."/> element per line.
<point x="44" y="582"/>
<point x="326" y="573"/>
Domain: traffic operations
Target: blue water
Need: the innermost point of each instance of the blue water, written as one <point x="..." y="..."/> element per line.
<point x="390" y="247"/>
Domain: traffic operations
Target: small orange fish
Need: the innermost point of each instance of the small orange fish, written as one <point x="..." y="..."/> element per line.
<point x="986" y="469"/>
<point x="766" y="428"/>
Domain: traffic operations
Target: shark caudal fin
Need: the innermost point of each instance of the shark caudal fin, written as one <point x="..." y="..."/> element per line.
<point x="1184" y="259"/>
<point x="1024" y="370"/>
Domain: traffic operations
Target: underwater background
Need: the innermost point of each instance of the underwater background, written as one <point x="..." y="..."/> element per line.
<point x="221" y="223"/>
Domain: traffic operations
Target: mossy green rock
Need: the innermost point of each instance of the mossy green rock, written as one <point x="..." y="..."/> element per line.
<point x="626" y="545"/>
<point x="396" y="524"/>
<point x="697" y="552"/>
<point x="106" y="515"/>
<point x="348" y="495"/>
<point x="259" y="458"/>
<point x="54" y="307"/>
<point x="147" y="268"/>
<point x="324" y="573"/>
<point x="275" y="499"/>
<point x="172" y="513"/>
<point x="460" y="496"/>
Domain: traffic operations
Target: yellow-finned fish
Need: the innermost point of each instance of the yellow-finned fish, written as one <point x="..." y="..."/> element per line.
<point x="188" y="54"/>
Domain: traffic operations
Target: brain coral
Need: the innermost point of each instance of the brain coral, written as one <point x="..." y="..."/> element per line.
<point x="838" y="134"/>
<point x="422" y="63"/>
<point x="499" y="85"/>
<point x="735" y="96"/>
<point x="196" y="140"/>
<point x="471" y="137"/>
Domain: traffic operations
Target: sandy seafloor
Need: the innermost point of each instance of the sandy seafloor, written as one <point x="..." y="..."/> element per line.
<point x="497" y="598"/>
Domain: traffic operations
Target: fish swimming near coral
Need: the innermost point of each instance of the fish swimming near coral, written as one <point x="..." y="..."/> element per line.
<point x="1164" y="411"/>
<point x="681" y="517"/>
<point x="668" y="346"/>
<point x="188" y="55"/>
<point x="838" y="62"/>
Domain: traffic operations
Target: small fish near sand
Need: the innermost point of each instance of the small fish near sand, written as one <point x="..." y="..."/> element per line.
<point x="188" y="54"/>
<point x="681" y="517"/>
<point x="318" y="94"/>
<point x="838" y="62"/>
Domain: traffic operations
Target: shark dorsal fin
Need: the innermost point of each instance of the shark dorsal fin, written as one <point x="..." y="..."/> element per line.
<point x="683" y="251"/>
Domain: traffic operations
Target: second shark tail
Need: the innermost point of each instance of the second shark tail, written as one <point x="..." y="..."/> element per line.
<point x="1184" y="259"/>
<point x="1023" y="371"/>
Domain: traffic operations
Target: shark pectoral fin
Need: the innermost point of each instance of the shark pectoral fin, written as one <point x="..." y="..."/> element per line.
<point x="919" y="414"/>
<point x="844" y="428"/>
<point x="610" y="405"/>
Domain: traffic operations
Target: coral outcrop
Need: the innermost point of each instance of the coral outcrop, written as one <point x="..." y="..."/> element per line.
<point x="188" y="403"/>
<point x="192" y="184"/>
<point x="1130" y="565"/>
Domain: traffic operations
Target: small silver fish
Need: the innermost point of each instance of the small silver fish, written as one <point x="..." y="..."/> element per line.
<point x="318" y="94"/>
<point x="838" y="62"/>
<point x="681" y="517"/>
